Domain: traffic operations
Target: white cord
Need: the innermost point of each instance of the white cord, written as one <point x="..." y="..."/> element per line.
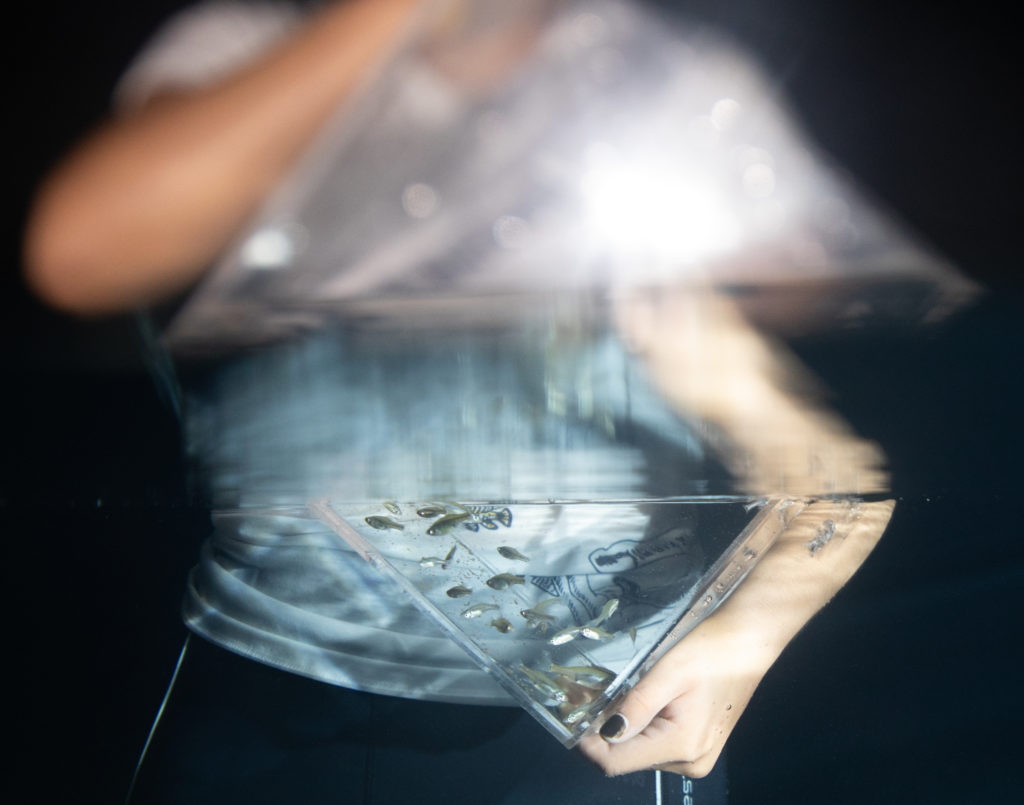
<point x="159" y="715"/>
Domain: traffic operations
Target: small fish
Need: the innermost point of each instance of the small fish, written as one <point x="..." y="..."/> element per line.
<point x="487" y="515"/>
<point x="383" y="523"/>
<point x="577" y="714"/>
<point x="433" y="561"/>
<point x="606" y="612"/>
<point x="577" y="694"/>
<point x="477" y="610"/>
<point x="431" y="511"/>
<point x="392" y="507"/>
<point x="512" y="553"/>
<point x="535" y="618"/>
<point x="632" y="634"/>
<point x="586" y="675"/>
<point x="447" y="523"/>
<point x="595" y="633"/>
<point x="504" y="580"/>
<point x="545" y="684"/>
<point x="502" y="625"/>
<point x="458" y="591"/>
<point x="543" y="606"/>
<point x="564" y="636"/>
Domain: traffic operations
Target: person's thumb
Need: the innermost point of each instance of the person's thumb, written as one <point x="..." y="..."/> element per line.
<point x="633" y="714"/>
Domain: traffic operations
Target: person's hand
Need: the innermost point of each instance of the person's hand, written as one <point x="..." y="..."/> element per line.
<point x="681" y="712"/>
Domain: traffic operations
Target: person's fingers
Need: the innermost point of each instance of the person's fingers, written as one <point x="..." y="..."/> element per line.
<point x="665" y="682"/>
<point x="670" y="741"/>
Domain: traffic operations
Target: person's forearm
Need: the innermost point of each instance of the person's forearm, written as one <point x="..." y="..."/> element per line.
<point x="140" y="209"/>
<point x="811" y="561"/>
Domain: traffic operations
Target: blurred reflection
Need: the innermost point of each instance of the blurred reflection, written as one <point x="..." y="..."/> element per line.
<point x="760" y="408"/>
<point x="563" y="173"/>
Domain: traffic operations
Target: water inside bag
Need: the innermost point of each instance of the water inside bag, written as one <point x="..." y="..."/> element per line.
<point x="566" y="645"/>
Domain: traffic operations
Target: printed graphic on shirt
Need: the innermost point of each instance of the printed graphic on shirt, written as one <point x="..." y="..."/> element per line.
<point x="645" y="575"/>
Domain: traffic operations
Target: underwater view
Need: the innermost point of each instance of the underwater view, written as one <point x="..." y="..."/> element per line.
<point x="612" y="402"/>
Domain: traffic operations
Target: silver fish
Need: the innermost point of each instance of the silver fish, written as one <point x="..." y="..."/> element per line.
<point x="536" y="618"/>
<point x="545" y="684"/>
<point x="392" y="507"/>
<point x="564" y="636"/>
<point x="607" y="611"/>
<point x="477" y="610"/>
<point x="595" y="633"/>
<point x="431" y="511"/>
<point x="543" y="606"/>
<point x="512" y="553"/>
<point x="504" y="580"/>
<point x="586" y="675"/>
<point x="433" y="561"/>
<point x="577" y="714"/>
<point x="383" y="523"/>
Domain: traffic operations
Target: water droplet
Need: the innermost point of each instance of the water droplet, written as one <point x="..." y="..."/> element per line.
<point x="419" y="200"/>
<point x="511" y="232"/>
<point x="759" y="180"/>
<point x="589" y="29"/>
<point x="271" y="247"/>
<point x="724" y="113"/>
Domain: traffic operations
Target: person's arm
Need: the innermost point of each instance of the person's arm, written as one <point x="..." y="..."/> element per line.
<point x="712" y="364"/>
<point x="140" y="209"/>
<point x="679" y="715"/>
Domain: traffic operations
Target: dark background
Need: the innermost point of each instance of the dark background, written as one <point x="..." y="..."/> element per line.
<point x="904" y="690"/>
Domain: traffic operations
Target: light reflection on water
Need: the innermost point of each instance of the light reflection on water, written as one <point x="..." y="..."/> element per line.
<point x="476" y="415"/>
<point x="641" y="397"/>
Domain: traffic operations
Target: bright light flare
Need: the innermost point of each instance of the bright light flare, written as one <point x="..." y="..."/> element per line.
<point x="655" y="211"/>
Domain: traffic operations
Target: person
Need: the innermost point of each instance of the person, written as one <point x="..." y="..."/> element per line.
<point x="136" y="214"/>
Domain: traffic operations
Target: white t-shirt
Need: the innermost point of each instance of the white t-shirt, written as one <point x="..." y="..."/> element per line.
<point x="333" y="415"/>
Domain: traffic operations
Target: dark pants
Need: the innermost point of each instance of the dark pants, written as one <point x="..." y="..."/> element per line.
<point x="235" y="731"/>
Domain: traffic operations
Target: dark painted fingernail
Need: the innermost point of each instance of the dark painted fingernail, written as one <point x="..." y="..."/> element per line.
<point x="614" y="727"/>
